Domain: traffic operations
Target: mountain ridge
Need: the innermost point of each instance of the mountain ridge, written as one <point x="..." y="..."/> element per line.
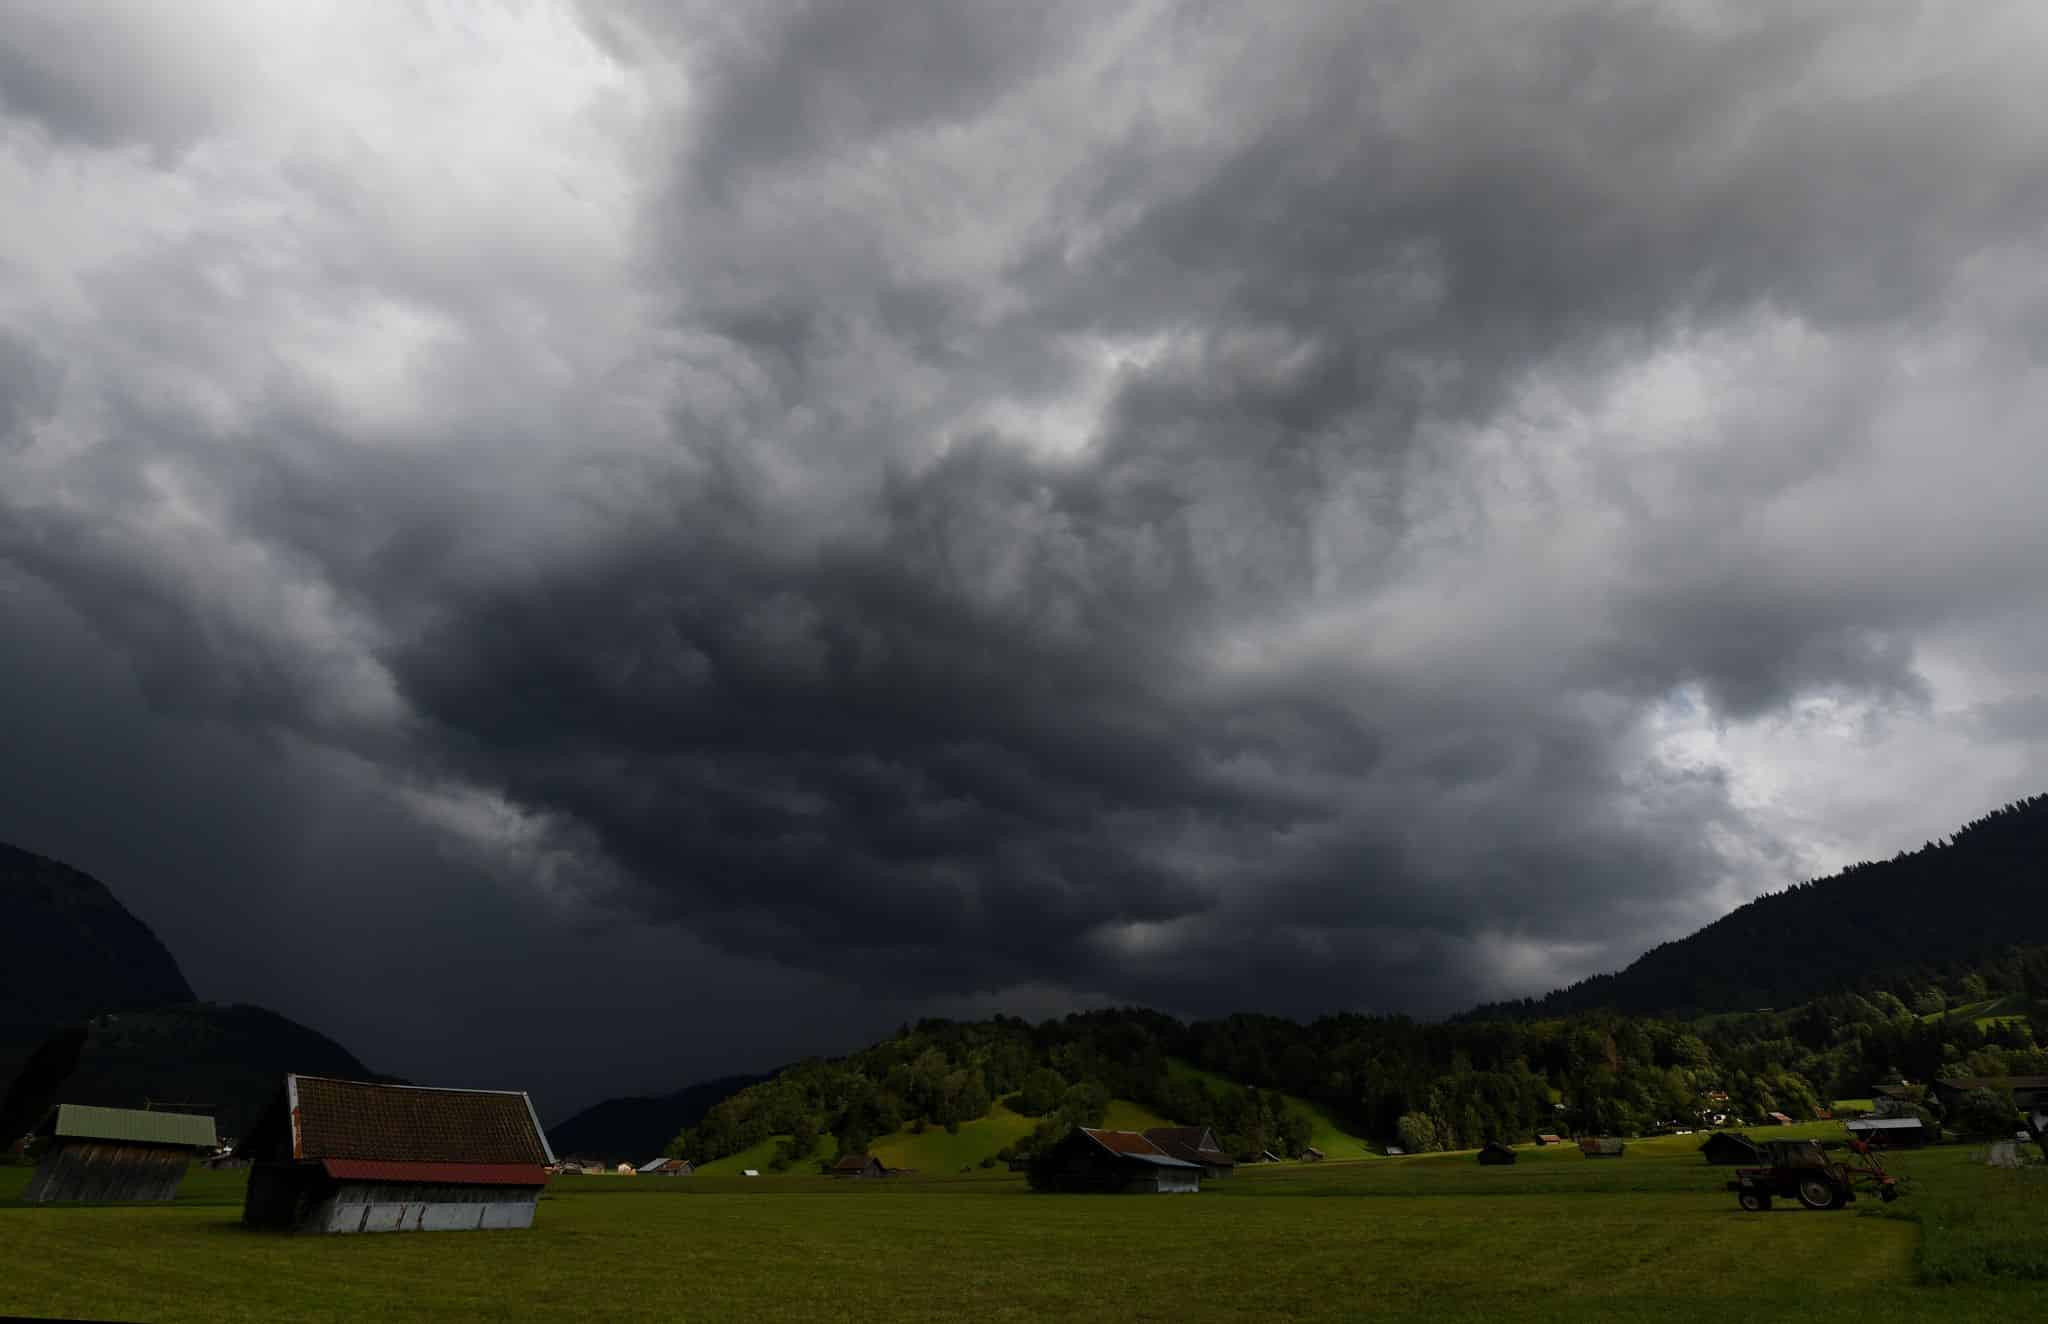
<point x="1951" y="900"/>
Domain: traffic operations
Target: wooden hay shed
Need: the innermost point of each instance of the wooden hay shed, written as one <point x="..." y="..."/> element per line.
<point x="105" y="1154"/>
<point x="1730" y="1148"/>
<point x="1121" y="1162"/>
<point x="1601" y="1147"/>
<point x="357" y="1156"/>
<point x="1495" y="1154"/>
<point x="1194" y="1144"/>
<point x="859" y="1166"/>
<point x="667" y="1167"/>
<point x="1548" y="1139"/>
<point x="1889" y="1132"/>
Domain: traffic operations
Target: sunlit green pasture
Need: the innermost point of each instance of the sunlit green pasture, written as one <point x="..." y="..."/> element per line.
<point x="1557" y="1236"/>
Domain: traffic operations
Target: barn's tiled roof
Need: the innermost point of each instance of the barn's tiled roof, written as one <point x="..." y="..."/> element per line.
<point x="1133" y="1145"/>
<point x="1186" y="1142"/>
<point x="353" y="1119"/>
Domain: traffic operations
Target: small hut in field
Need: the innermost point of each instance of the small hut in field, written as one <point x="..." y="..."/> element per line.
<point x="1194" y="1144"/>
<point x="1727" y="1149"/>
<point x="1124" y="1162"/>
<point x="859" y="1166"/>
<point x="357" y="1156"/>
<point x="1495" y="1153"/>
<point x="1601" y="1147"/>
<point x="1548" y="1139"/>
<point x="106" y="1154"/>
<point x="1312" y="1155"/>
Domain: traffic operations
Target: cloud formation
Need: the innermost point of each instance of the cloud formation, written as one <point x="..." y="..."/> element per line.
<point x="1327" y="508"/>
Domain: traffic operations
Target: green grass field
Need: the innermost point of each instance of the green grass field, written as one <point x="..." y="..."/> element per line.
<point x="1555" y="1237"/>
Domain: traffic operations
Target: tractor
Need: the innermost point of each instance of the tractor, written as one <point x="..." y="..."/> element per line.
<point x="1803" y="1170"/>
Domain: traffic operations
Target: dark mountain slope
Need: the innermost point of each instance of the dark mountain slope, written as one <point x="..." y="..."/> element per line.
<point x="635" y="1130"/>
<point x="227" y="1059"/>
<point x="1946" y="902"/>
<point x="69" y="950"/>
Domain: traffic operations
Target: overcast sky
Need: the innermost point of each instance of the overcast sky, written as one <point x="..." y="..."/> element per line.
<point x="585" y="548"/>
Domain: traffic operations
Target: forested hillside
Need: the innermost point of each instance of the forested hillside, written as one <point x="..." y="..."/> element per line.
<point x="1391" y="1079"/>
<point x="1947" y="901"/>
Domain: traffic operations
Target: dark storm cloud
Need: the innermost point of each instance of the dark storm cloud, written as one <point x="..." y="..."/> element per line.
<point x="1295" y="509"/>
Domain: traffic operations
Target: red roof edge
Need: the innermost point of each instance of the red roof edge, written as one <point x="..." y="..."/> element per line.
<point x="458" y="1174"/>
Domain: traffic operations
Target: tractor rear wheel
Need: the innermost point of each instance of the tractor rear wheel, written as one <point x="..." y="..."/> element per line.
<point x="1756" y="1202"/>
<point x="1818" y="1193"/>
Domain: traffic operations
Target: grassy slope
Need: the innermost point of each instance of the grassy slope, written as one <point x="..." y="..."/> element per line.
<point x="757" y="1156"/>
<point x="1555" y="1237"/>
<point x="936" y="1151"/>
<point x="1324" y="1132"/>
<point x="1986" y="1013"/>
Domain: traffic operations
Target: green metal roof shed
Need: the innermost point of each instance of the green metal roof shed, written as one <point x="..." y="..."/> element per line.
<point x="100" y="1154"/>
<point x="78" y="1121"/>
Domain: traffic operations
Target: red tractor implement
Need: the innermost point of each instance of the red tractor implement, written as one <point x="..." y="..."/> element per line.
<point x="1803" y="1170"/>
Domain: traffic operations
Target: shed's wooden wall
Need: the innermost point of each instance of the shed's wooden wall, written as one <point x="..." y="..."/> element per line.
<point x="104" y="1170"/>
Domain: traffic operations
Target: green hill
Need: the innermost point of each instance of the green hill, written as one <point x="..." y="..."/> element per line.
<point x="1324" y="1133"/>
<point x="938" y="1151"/>
<point x="759" y="1156"/>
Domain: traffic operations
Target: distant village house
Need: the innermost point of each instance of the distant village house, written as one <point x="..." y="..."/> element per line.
<point x="667" y="1167"/>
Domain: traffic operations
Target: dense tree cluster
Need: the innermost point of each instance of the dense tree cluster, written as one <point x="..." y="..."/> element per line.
<point x="1391" y="1079"/>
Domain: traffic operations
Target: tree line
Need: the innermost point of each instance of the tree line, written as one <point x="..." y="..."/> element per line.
<point x="1392" y="1079"/>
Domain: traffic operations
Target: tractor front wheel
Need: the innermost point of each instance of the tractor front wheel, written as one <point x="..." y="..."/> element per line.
<point x="1756" y="1202"/>
<point x="1818" y="1193"/>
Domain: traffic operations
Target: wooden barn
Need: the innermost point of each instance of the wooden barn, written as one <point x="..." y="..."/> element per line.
<point x="115" y="1153"/>
<point x="859" y="1166"/>
<point x="1601" y="1147"/>
<point x="667" y="1167"/>
<point x="1728" y="1149"/>
<point x="1495" y="1153"/>
<point x="1889" y="1132"/>
<point x="353" y="1156"/>
<point x="1196" y="1145"/>
<point x="1548" y="1139"/>
<point x="1122" y="1162"/>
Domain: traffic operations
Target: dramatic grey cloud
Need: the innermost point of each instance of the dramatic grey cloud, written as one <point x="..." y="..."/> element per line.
<point x="848" y="509"/>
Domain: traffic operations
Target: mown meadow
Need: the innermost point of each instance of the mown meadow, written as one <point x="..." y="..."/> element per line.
<point x="1556" y="1236"/>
